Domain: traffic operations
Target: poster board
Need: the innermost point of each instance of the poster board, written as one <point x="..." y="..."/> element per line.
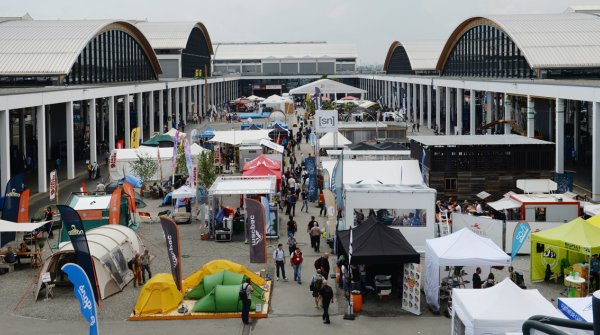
<point x="411" y="288"/>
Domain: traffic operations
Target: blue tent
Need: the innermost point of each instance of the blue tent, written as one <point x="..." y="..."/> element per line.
<point x="206" y="133"/>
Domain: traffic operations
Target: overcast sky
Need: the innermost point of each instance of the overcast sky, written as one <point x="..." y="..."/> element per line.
<point x="372" y="25"/>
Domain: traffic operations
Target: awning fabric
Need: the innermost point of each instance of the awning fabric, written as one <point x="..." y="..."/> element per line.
<point x="10" y="227"/>
<point x="505" y="203"/>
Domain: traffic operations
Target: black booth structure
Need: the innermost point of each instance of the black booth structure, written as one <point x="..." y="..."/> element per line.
<point x="383" y="251"/>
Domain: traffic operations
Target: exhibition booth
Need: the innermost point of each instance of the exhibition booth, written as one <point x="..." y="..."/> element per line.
<point x="327" y="141"/>
<point x="498" y="310"/>
<point x="462" y="248"/>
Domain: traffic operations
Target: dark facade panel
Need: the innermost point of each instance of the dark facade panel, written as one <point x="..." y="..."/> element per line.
<point x="196" y="55"/>
<point x="399" y="62"/>
<point x="112" y="56"/>
<point x="289" y="68"/>
<point x="308" y="68"/>
<point x="326" y="68"/>
<point x="270" y="68"/>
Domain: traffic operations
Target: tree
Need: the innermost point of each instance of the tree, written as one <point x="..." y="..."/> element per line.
<point x="181" y="166"/>
<point x="328" y="105"/>
<point x="207" y="173"/>
<point x="144" y="167"/>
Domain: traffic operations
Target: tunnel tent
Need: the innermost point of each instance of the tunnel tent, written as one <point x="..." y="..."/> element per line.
<point x="226" y="278"/>
<point x="111" y="247"/>
<point x="216" y="266"/>
<point x="224" y="298"/>
<point x="159" y="295"/>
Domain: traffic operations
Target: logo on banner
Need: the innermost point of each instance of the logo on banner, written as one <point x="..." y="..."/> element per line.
<point x="74" y="231"/>
<point x="326" y="121"/>
<point x="256" y="236"/>
<point x="172" y="252"/>
<point x="52" y="190"/>
<point x="83" y="290"/>
<point x="113" y="160"/>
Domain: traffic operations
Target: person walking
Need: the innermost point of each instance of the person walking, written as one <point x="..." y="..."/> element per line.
<point x="322" y="263"/>
<point x="293" y="201"/>
<point x="246" y="296"/>
<point x="311" y="224"/>
<point x="279" y="258"/>
<point x="89" y="170"/>
<point x="326" y="294"/>
<point x="322" y="211"/>
<point x="49" y="216"/>
<point x="146" y="265"/>
<point x="304" y="196"/>
<point x="316" y="283"/>
<point x="315" y="237"/>
<point x="296" y="261"/>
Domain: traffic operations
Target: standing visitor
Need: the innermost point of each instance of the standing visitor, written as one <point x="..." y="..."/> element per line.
<point x="594" y="271"/>
<point x="323" y="211"/>
<point x="293" y="201"/>
<point x="279" y="258"/>
<point x="146" y="265"/>
<point x="304" y="196"/>
<point x="315" y="237"/>
<point x="311" y="224"/>
<point x="136" y="267"/>
<point x="49" y="216"/>
<point x="477" y="282"/>
<point x="326" y="294"/>
<point x="292" y="243"/>
<point x="246" y="296"/>
<point x="292" y="227"/>
<point x="296" y="261"/>
<point x="89" y="169"/>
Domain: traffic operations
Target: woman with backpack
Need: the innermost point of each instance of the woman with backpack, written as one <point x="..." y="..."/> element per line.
<point x="245" y="294"/>
<point x="316" y="283"/>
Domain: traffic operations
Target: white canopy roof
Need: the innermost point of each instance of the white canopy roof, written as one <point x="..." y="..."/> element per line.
<point x="255" y="98"/>
<point x="87" y="203"/>
<point x="327" y="140"/>
<point x="327" y="86"/>
<point x="243" y="185"/>
<point x="499" y="309"/>
<point x="536" y="185"/>
<point x="10" y="227"/>
<point x="462" y="248"/>
<point x="504" y="203"/>
<point x="237" y="137"/>
<point x="591" y="209"/>
<point x="386" y="172"/>
<point x="184" y="192"/>
<point x="171" y="35"/>
<point x="172" y="133"/>
<point x="272" y="145"/>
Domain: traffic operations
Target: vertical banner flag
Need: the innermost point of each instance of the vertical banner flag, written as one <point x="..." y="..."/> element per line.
<point x="23" y="215"/>
<point x="114" y="213"/>
<point x="256" y="231"/>
<point x="74" y="227"/>
<point x="135" y="138"/>
<point x="520" y="234"/>
<point x="128" y="189"/>
<point x="83" y="188"/>
<point x="423" y="166"/>
<point x="311" y="169"/>
<point x="330" y="205"/>
<point x="188" y="160"/>
<point x="174" y="162"/>
<point x="195" y="176"/>
<point x="317" y="98"/>
<point x="83" y="289"/>
<point x="159" y="163"/>
<point x="172" y="237"/>
<point x="52" y="188"/>
<point x="10" y="209"/>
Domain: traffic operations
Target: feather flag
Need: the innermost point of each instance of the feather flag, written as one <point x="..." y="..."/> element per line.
<point x="174" y="161"/>
<point x="188" y="160"/>
<point x="423" y="166"/>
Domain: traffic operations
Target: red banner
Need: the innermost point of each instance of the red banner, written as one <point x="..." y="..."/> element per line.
<point x="23" y="215"/>
<point x="114" y="213"/>
<point x="128" y="189"/>
<point x="83" y="188"/>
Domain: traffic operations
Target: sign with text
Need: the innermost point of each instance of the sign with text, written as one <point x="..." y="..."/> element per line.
<point x="326" y="121"/>
<point x="52" y="189"/>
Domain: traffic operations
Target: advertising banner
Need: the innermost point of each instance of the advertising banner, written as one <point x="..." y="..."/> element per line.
<point x="10" y="210"/>
<point x="83" y="289"/>
<point x="74" y="227"/>
<point x="256" y="231"/>
<point x="114" y="213"/>
<point x="311" y="169"/>
<point x="171" y="232"/>
<point x="482" y="226"/>
<point x="52" y="188"/>
<point x="23" y="215"/>
<point x="135" y="138"/>
<point x="188" y="161"/>
<point x="520" y="234"/>
<point x="326" y="121"/>
<point x="411" y="292"/>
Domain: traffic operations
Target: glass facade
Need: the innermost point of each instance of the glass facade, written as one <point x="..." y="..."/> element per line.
<point x="399" y="62"/>
<point x="112" y="56"/>
<point x="485" y="51"/>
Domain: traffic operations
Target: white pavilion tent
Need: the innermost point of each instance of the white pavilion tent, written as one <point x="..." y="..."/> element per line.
<point x="237" y="137"/>
<point x="327" y="86"/>
<point x="462" y="248"/>
<point x="327" y="140"/>
<point x="497" y="310"/>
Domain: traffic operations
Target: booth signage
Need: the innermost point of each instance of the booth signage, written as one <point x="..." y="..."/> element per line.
<point x="326" y="121"/>
<point x="256" y="231"/>
<point x="519" y="235"/>
<point x="52" y="189"/>
<point x="411" y="292"/>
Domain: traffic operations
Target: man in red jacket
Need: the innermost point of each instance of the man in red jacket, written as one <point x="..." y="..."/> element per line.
<point x="296" y="261"/>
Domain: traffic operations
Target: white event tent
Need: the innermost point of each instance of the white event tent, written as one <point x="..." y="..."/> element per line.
<point x="497" y="310"/>
<point x="237" y="137"/>
<point x="462" y="248"/>
<point x="327" y="86"/>
<point x="385" y="172"/>
<point x="327" y="141"/>
<point x="121" y="159"/>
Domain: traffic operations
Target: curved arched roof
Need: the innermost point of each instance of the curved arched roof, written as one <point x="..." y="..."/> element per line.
<point x="566" y="40"/>
<point x="423" y="55"/>
<point x="39" y="47"/>
<point x="172" y="35"/>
